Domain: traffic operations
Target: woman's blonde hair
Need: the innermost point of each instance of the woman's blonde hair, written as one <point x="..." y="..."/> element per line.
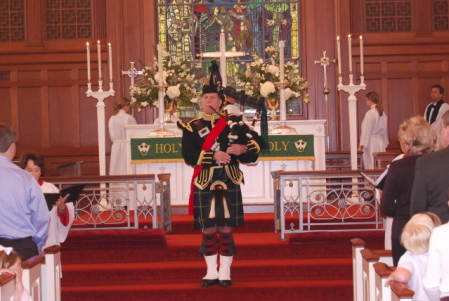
<point x="417" y="135"/>
<point x="374" y="97"/>
<point x="119" y="105"/>
<point x="8" y="260"/>
<point x="416" y="234"/>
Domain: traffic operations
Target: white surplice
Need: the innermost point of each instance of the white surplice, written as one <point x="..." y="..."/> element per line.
<point x="373" y="137"/>
<point x="118" y="164"/>
<point x="57" y="232"/>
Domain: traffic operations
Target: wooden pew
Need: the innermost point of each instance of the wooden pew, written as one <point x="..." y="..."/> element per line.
<point x="31" y="277"/>
<point x="382" y="159"/>
<point x="7" y="287"/>
<point x="369" y="258"/>
<point x="357" y="268"/>
<point x="401" y="292"/>
<point x="382" y="271"/>
<point x="51" y="274"/>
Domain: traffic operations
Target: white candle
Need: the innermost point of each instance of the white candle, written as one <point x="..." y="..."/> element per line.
<point x="99" y="59"/>
<point x="159" y="65"/>
<point x="339" y="55"/>
<point x="88" y="62"/>
<point x="281" y="60"/>
<point x="110" y="61"/>
<point x="223" y="74"/>
<point x="350" y="53"/>
<point x="361" y="55"/>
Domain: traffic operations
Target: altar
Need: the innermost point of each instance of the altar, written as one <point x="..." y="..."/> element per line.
<point x="258" y="187"/>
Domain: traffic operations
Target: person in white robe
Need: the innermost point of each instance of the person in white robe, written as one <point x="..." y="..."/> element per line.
<point x="374" y="137"/>
<point x="118" y="164"/>
<point x="62" y="214"/>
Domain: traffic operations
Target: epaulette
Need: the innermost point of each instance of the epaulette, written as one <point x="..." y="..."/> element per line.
<point x="187" y="126"/>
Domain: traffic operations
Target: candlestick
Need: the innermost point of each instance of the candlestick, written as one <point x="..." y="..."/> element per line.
<point x="350" y="53"/>
<point x="339" y="55"/>
<point x="223" y="74"/>
<point x="159" y="64"/>
<point x="361" y="55"/>
<point x="110" y="61"/>
<point x="99" y="60"/>
<point x="281" y="61"/>
<point x="88" y="62"/>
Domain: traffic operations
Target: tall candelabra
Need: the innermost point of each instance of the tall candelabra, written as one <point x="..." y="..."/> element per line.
<point x="100" y="95"/>
<point x="282" y="128"/>
<point x="352" y="99"/>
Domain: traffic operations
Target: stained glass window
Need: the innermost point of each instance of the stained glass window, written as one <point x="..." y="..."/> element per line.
<point x="190" y="27"/>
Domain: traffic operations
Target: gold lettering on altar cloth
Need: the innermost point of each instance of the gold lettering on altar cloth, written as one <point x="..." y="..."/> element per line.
<point x="168" y="148"/>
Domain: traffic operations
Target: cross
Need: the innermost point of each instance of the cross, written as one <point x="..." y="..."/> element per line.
<point x="223" y="54"/>
<point x="324" y="61"/>
<point x="132" y="73"/>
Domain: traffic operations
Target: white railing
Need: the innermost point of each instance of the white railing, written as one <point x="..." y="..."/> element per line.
<point x="117" y="202"/>
<point x="324" y="201"/>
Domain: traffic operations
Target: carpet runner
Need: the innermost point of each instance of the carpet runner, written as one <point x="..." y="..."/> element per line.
<point x="148" y="265"/>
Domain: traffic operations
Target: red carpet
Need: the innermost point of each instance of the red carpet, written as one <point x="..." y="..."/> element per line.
<point x="142" y="265"/>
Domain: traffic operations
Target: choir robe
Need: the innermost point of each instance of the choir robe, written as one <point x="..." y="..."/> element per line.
<point x="374" y="137"/>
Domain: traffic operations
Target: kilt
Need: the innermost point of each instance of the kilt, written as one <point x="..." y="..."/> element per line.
<point x="202" y="199"/>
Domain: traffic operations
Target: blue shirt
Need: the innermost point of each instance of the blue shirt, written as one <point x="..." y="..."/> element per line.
<point x="23" y="209"/>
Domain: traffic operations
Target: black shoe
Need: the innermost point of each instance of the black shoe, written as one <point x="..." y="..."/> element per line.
<point x="225" y="282"/>
<point x="208" y="282"/>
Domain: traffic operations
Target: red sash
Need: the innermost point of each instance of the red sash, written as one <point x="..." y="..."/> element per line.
<point x="207" y="144"/>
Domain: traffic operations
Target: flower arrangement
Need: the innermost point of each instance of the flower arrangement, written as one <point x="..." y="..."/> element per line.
<point x="260" y="77"/>
<point x="183" y="86"/>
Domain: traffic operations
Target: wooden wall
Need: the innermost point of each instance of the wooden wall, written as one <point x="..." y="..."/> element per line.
<point x="43" y="81"/>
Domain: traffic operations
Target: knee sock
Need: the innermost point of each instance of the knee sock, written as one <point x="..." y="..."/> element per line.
<point x="210" y="244"/>
<point x="227" y="247"/>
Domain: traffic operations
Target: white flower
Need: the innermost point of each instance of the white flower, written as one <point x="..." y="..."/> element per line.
<point x="267" y="88"/>
<point x="249" y="92"/>
<point x="273" y="69"/>
<point x="173" y="91"/>
<point x="144" y="104"/>
<point x="194" y="100"/>
<point x="288" y="93"/>
<point x="164" y="76"/>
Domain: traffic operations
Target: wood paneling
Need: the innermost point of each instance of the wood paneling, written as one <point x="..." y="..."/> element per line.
<point x="45" y="97"/>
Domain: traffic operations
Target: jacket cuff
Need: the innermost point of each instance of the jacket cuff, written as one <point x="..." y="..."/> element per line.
<point x="206" y="158"/>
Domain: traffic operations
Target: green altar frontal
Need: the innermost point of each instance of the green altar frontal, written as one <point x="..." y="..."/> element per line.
<point x="282" y="147"/>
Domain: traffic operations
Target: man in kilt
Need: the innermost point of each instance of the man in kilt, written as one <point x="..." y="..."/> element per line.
<point x="214" y="145"/>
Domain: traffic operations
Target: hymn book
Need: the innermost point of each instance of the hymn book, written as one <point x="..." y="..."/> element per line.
<point x="74" y="192"/>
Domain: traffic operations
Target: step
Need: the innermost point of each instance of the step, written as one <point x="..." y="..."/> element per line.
<point x="185" y="247"/>
<point x="303" y="290"/>
<point x="185" y="271"/>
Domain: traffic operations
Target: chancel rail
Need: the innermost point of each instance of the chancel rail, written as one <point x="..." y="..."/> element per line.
<point x="324" y="201"/>
<point x="117" y="202"/>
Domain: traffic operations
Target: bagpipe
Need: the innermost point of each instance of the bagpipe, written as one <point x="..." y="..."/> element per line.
<point x="235" y="122"/>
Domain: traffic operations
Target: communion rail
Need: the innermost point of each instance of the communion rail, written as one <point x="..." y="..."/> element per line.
<point x="117" y="202"/>
<point x="315" y="201"/>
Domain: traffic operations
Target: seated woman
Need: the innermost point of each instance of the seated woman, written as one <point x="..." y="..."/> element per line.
<point x="10" y="262"/>
<point x="412" y="265"/>
<point x="62" y="214"/>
